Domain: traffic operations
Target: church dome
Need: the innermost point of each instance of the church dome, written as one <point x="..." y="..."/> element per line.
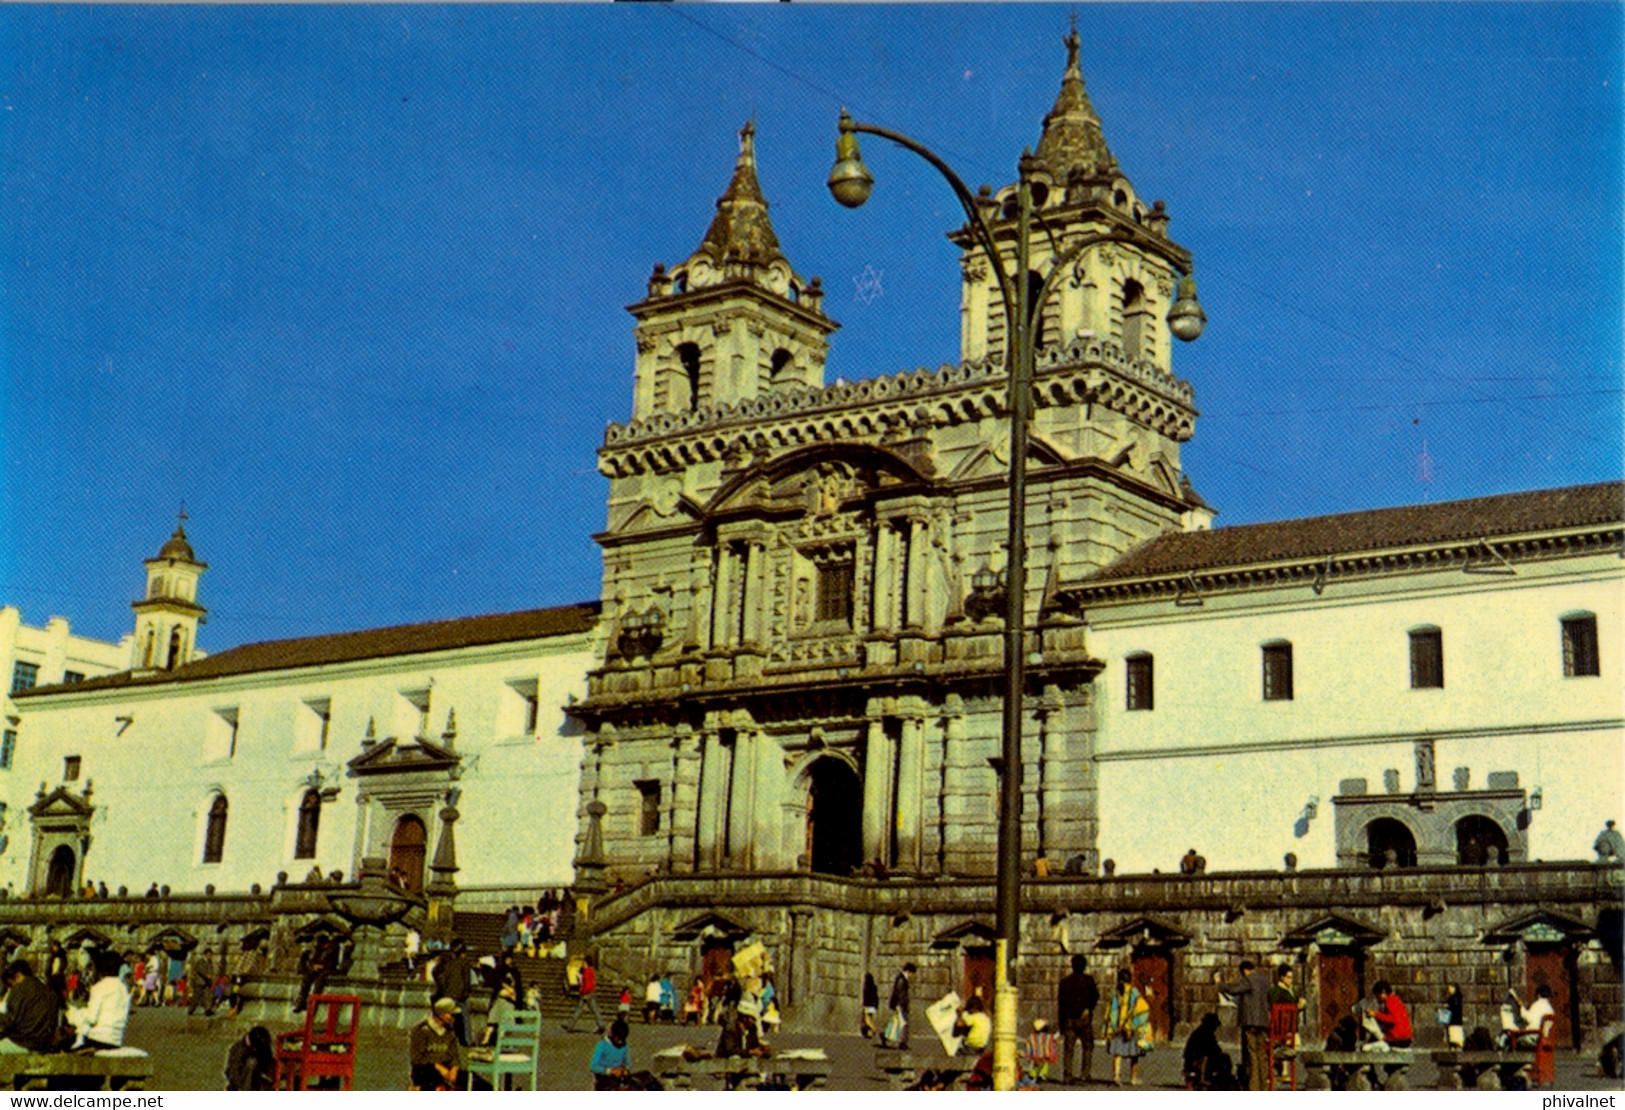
<point x="177" y="547"/>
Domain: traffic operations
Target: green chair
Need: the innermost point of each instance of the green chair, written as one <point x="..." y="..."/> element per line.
<point x="513" y="1053"/>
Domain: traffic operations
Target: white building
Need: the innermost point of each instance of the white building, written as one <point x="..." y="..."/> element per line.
<point x="1438" y="682"/>
<point x="307" y="754"/>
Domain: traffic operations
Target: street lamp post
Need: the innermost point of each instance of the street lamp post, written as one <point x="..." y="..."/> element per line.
<point x="850" y="182"/>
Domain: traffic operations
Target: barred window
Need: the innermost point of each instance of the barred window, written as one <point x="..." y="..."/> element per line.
<point x="8" y="748"/>
<point x="1580" y="645"/>
<point x="1427" y="658"/>
<point x="834" y="602"/>
<point x="1278" y="671"/>
<point x="310" y="820"/>
<point x="1139" y="672"/>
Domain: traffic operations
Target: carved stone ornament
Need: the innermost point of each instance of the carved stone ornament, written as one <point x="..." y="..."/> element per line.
<point x="974" y="270"/>
<point x="664" y="494"/>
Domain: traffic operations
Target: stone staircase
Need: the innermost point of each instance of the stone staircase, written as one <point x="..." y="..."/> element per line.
<point x="482" y="932"/>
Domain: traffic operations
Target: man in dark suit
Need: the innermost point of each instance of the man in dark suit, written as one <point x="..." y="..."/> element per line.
<point x="1075" y="1002"/>
<point x="33" y="1012"/>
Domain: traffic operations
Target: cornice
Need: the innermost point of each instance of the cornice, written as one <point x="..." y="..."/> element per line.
<point x="1091" y="371"/>
<point x="1488" y="555"/>
<point x="1238" y="747"/>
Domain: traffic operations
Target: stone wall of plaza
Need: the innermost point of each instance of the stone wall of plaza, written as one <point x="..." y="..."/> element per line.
<point x="1420" y="929"/>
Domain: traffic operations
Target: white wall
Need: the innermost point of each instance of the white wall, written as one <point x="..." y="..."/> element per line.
<point x="154" y="781"/>
<point x="1232" y="772"/>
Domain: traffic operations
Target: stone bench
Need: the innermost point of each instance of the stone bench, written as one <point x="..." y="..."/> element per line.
<point x="1485" y="1070"/>
<point x="902" y="1068"/>
<point x="117" y="1069"/>
<point x="741" y="1072"/>
<point x="1382" y="1071"/>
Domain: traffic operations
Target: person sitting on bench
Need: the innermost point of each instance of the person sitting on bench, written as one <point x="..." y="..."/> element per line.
<point x="33" y="1012"/>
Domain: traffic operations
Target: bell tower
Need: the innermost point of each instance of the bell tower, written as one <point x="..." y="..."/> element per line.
<point x="166" y="619"/>
<point x="734" y="321"/>
<point x="1124" y="289"/>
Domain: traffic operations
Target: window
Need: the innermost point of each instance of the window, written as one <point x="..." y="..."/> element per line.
<point x="522" y="712"/>
<point x="687" y="393"/>
<point x="314" y="726"/>
<point x="1139" y="681"/>
<point x="8" y="747"/>
<point x="1135" y="313"/>
<point x="70" y="768"/>
<point x="419" y="702"/>
<point x="1580" y="645"/>
<point x="310" y="820"/>
<point x="834" y="592"/>
<point x="214" y="837"/>
<point x="649" y="814"/>
<point x="71" y="677"/>
<point x="1427" y="658"/>
<point x="1278" y="671"/>
<point x="23" y="676"/>
<point x="782" y="361"/>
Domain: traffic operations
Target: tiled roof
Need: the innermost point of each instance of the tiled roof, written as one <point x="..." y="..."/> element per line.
<point x="1315" y="537"/>
<point x="371" y="643"/>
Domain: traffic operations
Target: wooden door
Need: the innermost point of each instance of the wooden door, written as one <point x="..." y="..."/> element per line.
<point x="1340" y="980"/>
<point x="716" y="962"/>
<point x="1549" y="965"/>
<point x="1154" y="978"/>
<point x="978" y="976"/>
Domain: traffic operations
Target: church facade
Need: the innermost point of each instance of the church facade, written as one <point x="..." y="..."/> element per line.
<point x="1388" y="739"/>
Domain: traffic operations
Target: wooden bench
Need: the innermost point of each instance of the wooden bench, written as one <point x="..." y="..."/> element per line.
<point x="1383" y="1071"/>
<point x="740" y="1072"/>
<point x="1481" y="1070"/>
<point x="902" y="1068"/>
<point x="126" y="1071"/>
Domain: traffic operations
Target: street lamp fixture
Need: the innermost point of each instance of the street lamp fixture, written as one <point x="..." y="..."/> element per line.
<point x="850" y="183"/>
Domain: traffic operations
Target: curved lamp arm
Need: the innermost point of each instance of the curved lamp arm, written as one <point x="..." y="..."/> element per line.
<point x="973" y="212"/>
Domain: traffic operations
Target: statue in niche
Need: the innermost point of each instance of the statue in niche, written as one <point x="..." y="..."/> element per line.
<point x="1424" y="766"/>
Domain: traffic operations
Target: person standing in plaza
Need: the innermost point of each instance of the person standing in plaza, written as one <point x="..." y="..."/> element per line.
<point x="1128" y="1027"/>
<point x="870" y="1001"/>
<point x="451" y="983"/>
<point x="200" y="983"/>
<point x="588" y="999"/>
<point x="434" y="1053"/>
<point x="1252" y="998"/>
<point x="1076" y="997"/>
<point x="898" y="1003"/>
<point x="1452" y="1013"/>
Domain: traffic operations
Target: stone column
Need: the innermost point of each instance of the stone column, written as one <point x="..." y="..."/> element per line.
<point x="742" y="802"/>
<point x="910" y="794"/>
<point x="712" y="804"/>
<point x="883" y="593"/>
<point x="919" y="546"/>
<point x="801" y="955"/>
<point x="767" y="810"/>
<point x="877" y="793"/>
<point x="684" y="809"/>
<point x="722" y="624"/>
<point x="755" y="596"/>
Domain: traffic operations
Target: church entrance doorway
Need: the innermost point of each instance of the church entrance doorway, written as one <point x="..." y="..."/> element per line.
<point x="834" y="817"/>
<point x="979" y="975"/>
<point x="1552" y="965"/>
<point x="1341" y="975"/>
<point x="1154" y="977"/>
<point x="406" y="851"/>
<point x="59" y="874"/>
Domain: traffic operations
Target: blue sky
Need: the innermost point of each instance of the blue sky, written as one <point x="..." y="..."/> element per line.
<point x="349" y="281"/>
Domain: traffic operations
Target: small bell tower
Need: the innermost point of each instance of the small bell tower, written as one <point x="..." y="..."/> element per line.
<point x="166" y="619"/>
<point x="734" y="321"/>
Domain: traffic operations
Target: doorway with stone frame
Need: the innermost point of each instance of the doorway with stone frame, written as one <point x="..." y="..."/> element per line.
<point x="834" y="832"/>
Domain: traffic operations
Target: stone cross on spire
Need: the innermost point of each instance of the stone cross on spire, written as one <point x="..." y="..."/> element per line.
<point x="1072" y="139"/>
<point x="741" y="232"/>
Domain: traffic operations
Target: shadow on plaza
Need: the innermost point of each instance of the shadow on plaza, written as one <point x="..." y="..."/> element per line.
<point x="189" y="1053"/>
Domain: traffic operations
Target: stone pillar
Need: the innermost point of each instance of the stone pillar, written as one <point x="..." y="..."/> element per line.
<point x="755" y="595"/>
<point x="722" y="621"/>
<point x="877" y="793"/>
<point x="802" y="951"/>
<point x="684" y="810"/>
<point x="883" y="594"/>
<point x="910" y="794"/>
<point x="742" y="802"/>
<point x="919" y="547"/>
<point x="766" y="810"/>
<point x="442" y="888"/>
<point x="712" y="804"/>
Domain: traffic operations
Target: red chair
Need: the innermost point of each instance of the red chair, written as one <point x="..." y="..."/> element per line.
<point x="1284" y="1033"/>
<point x="1543" y="1072"/>
<point x="324" y="1049"/>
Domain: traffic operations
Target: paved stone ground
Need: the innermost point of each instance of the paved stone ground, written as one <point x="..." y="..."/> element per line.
<point x="190" y="1054"/>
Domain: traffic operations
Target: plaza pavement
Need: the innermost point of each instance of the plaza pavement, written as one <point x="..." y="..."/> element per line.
<point x="190" y="1054"/>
